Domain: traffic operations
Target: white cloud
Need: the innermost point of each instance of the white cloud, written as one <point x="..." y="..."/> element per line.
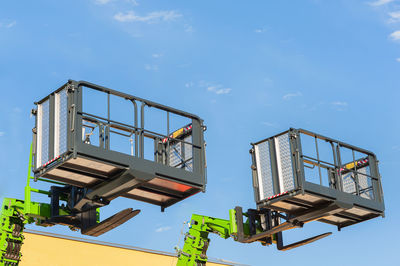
<point x="188" y="28"/>
<point x="152" y="17"/>
<point x="268" y="124"/>
<point x="102" y="2"/>
<point x="189" y="84"/>
<point x="398" y="59"/>
<point x="134" y="2"/>
<point x="149" y="67"/>
<point x="157" y="55"/>
<point x="218" y="89"/>
<point x="394" y="16"/>
<point x="338" y="103"/>
<point x="8" y="25"/>
<point x="260" y="30"/>
<point x="339" y="106"/>
<point x="211" y="87"/>
<point x="163" y="229"/>
<point x="291" y="95"/>
<point x="2" y="133"/>
<point x="17" y="110"/>
<point x="395" y="35"/>
<point x="380" y="2"/>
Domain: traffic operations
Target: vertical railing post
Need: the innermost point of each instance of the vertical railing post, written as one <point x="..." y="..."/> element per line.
<point x="198" y="143"/>
<point x="136" y="127"/>
<point x="77" y="119"/>
<point x="336" y="175"/>
<point x="319" y="162"/>
<point x="376" y="181"/>
<point x="340" y="166"/>
<point x="107" y="127"/>
<point x="142" y="130"/>
<point x="356" y="180"/>
<point x="168" y="146"/>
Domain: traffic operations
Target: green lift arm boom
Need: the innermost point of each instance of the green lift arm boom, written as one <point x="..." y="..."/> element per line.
<point x="197" y="241"/>
<point x="16" y="213"/>
<point x="262" y="225"/>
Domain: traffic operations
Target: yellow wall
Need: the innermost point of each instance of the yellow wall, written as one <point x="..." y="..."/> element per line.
<point x="46" y="250"/>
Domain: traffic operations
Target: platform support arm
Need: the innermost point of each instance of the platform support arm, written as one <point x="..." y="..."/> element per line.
<point x="197" y="241"/>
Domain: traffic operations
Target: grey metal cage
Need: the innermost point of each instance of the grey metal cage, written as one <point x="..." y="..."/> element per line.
<point x="298" y="171"/>
<point x="80" y="148"/>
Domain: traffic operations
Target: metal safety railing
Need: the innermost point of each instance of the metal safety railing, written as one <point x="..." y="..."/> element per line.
<point x="355" y="174"/>
<point x="63" y="120"/>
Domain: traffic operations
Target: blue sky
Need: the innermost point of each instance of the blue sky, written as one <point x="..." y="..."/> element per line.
<point x="249" y="69"/>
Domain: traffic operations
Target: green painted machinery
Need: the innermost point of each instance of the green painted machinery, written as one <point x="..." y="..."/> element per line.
<point x="15" y="214"/>
<point x="262" y="226"/>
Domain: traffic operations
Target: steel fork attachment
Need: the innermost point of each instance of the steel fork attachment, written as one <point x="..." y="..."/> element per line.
<point x="263" y="225"/>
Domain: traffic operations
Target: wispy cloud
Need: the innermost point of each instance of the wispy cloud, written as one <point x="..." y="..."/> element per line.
<point x="153" y="17"/>
<point x="398" y="59"/>
<point x="262" y="30"/>
<point x="17" y="110"/>
<point x="380" y="2"/>
<point x="219" y="89"/>
<point x="213" y="87"/>
<point x="8" y="25"/>
<point x="2" y="133"/>
<point x="133" y="2"/>
<point x="188" y="28"/>
<point x="395" y="35"/>
<point x="102" y="2"/>
<point x="189" y="84"/>
<point x="157" y="55"/>
<point x="339" y="105"/>
<point x="149" y="67"/>
<point x="269" y="124"/>
<point x="394" y="16"/>
<point x="292" y="95"/>
<point x="163" y="229"/>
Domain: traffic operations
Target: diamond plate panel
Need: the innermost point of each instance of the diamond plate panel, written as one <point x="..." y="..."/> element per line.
<point x="63" y="121"/>
<point x="349" y="186"/>
<point x="364" y="183"/>
<point x="44" y="134"/>
<point x="285" y="157"/>
<point x="175" y="154"/>
<point x="264" y="171"/>
<point x="176" y="157"/>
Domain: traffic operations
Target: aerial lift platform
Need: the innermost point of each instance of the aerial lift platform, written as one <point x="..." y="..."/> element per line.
<point x="91" y="145"/>
<point x="91" y="154"/>
<point x="298" y="177"/>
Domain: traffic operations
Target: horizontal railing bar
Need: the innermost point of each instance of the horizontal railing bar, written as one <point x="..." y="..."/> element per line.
<point x="105" y="119"/>
<point x="132" y="130"/>
<point x="370" y="176"/>
<point x="341" y="144"/>
<point x="131" y="97"/>
<point x="119" y="133"/>
<point x="318" y="161"/>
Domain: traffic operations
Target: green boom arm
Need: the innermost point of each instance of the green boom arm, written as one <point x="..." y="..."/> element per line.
<point x="197" y="241"/>
<point x="15" y="213"/>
